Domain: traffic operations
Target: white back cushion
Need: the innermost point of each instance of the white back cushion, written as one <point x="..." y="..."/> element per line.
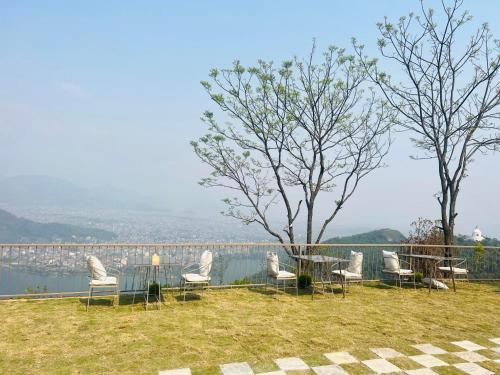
<point x="96" y="269"/>
<point x="391" y="260"/>
<point x="206" y="263"/>
<point x="273" y="265"/>
<point x="355" y="262"/>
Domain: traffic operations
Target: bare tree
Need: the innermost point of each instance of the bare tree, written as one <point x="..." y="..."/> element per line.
<point x="449" y="95"/>
<point x="303" y="126"/>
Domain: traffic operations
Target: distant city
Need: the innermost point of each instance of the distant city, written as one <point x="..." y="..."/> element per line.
<point x="133" y="226"/>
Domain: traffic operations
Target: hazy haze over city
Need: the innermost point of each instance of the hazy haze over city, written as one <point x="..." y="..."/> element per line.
<point x="109" y="94"/>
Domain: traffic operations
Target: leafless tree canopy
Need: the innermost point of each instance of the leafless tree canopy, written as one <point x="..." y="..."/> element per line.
<point x="304" y="126"/>
<point x="449" y="96"/>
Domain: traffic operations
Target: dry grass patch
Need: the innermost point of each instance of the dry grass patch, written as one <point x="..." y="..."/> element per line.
<point x="58" y="336"/>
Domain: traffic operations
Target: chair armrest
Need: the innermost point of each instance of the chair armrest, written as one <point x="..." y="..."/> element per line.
<point x="193" y="267"/>
<point x="288" y="267"/>
<point x="113" y="271"/>
<point x="405" y="262"/>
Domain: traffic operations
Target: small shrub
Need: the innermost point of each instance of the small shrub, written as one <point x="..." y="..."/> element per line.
<point x="304" y="281"/>
<point x="244" y="281"/>
<point x="478" y="252"/>
<point x="419" y="276"/>
<point x="37" y="289"/>
<point x="154" y="289"/>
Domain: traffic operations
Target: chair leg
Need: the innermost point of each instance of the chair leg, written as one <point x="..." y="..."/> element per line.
<point x="117" y="296"/>
<point x="88" y="299"/>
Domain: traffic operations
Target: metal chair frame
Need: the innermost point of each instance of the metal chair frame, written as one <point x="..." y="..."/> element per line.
<point x="184" y="284"/>
<point x="286" y="267"/>
<point x="115" y="287"/>
<point x="401" y="276"/>
<point x="447" y="271"/>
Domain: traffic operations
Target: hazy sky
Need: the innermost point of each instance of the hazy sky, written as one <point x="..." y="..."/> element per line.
<point x="107" y="92"/>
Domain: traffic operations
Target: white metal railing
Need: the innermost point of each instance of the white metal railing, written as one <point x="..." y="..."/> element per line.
<point x="60" y="269"/>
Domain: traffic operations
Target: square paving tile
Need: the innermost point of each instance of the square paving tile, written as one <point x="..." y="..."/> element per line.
<point x="497" y="361"/>
<point x="279" y="372"/>
<point x="179" y="371"/>
<point x="471" y="356"/>
<point x="428" y="360"/>
<point x="429" y="349"/>
<point x="386" y="352"/>
<point x="291" y="364"/>
<point x="340" y="358"/>
<point x="241" y="368"/>
<point x="381" y="366"/>
<point x="329" y="370"/>
<point x="421" y="371"/>
<point x="468" y="345"/>
<point x="473" y="369"/>
<point x="495" y="340"/>
<point x="496" y="349"/>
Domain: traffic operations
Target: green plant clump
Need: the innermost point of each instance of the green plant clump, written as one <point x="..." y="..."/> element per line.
<point x="244" y="281"/>
<point x="419" y="276"/>
<point x="154" y="289"/>
<point x="304" y="281"/>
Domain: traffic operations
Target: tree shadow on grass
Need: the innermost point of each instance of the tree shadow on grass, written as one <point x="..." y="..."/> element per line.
<point x="124" y="300"/>
<point x="190" y="296"/>
<point x="390" y="284"/>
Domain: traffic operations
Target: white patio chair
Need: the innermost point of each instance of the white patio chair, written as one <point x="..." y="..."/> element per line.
<point x="100" y="278"/>
<point x="460" y="269"/>
<point x="392" y="266"/>
<point x="354" y="271"/>
<point x="274" y="272"/>
<point x="197" y="274"/>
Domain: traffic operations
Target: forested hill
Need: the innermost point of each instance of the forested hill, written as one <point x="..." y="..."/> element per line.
<point x="385" y="236"/>
<point x="15" y="229"/>
<point x="467" y="241"/>
<point x="382" y="236"/>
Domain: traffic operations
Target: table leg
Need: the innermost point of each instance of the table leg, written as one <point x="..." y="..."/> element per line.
<point x="134" y="286"/>
<point x="342" y="280"/>
<point x="311" y="268"/>
<point x="452" y="276"/>
<point x="430" y="276"/>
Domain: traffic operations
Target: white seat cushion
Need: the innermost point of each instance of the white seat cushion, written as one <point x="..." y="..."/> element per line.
<point x="96" y="269"/>
<point x="355" y="263"/>
<point x="391" y="261"/>
<point x="456" y="270"/>
<point x="434" y="283"/>
<point x="206" y="263"/>
<point x="282" y="275"/>
<point x="108" y="280"/>
<point x="348" y="275"/>
<point x="195" y="278"/>
<point x="401" y="271"/>
<point x="272" y="264"/>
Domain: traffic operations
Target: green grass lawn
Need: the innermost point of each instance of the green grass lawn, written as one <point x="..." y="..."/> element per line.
<point x="231" y="325"/>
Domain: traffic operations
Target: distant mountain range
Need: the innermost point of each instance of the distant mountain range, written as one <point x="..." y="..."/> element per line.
<point x="14" y="229"/>
<point x="44" y="191"/>
<point x="386" y="236"/>
<point x="382" y="236"/>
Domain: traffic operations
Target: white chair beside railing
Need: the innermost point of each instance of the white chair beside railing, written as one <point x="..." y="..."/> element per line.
<point x="195" y="275"/>
<point x="274" y="272"/>
<point x="460" y="270"/>
<point x="354" y="271"/>
<point x="392" y="266"/>
<point x="102" y="278"/>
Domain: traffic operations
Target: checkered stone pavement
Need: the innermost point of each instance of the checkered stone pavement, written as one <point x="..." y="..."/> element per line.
<point x="467" y="360"/>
